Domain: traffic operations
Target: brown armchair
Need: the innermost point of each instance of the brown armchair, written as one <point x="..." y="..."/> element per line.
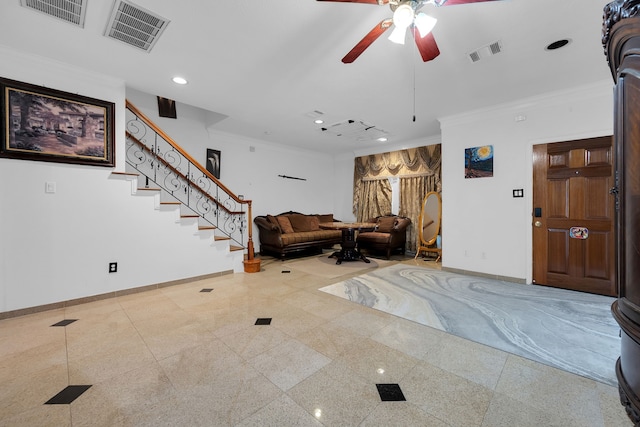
<point x="390" y="235"/>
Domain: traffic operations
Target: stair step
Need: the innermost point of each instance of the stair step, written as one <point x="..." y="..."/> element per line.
<point x="236" y="248"/>
<point x="206" y="227"/>
<point x="216" y="238"/>
<point x="125" y="173"/>
<point x="148" y="189"/>
<point x="189" y="216"/>
<point x="170" y="203"/>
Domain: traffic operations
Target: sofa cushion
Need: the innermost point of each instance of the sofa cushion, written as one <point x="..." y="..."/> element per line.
<point x="311" y="236"/>
<point x="285" y="224"/>
<point x="273" y="220"/>
<point x="372" y="237"/>
<point x="325" y="218"/>
<point x="386" y="223"/>
<point x="314" y="222"/>
<point x="301" y="223"/>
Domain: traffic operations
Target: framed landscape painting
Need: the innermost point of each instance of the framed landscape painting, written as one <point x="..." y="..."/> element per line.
<point x="44" y="124"/>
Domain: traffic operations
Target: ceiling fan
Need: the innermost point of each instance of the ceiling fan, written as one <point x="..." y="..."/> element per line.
<point x="406" y="15"/>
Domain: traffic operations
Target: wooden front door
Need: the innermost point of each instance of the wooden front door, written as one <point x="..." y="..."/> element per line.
<point x="573" y="216"/>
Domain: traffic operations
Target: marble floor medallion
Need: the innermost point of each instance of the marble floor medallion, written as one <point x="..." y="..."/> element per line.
<point x="572" y="331"/>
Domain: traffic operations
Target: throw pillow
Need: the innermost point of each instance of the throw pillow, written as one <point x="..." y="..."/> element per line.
<point x="325" y="218"/>
<point x="272" y="219"/>
<point x="301" y="223"/>
<point x="386" y="223"/>
<point x="285" y="224"/>
<point x="314" y="223"/>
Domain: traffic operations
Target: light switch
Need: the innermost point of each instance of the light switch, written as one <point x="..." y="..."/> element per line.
<point x="50" y="187"/>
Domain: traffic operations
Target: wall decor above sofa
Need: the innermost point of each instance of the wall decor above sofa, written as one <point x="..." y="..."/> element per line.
<point x="44" y="124"/>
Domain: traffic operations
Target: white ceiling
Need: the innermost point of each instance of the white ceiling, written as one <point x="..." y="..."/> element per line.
<point x="267" y="64"/>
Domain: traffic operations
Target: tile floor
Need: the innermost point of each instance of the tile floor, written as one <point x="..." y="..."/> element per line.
<point x="178" y="356"/>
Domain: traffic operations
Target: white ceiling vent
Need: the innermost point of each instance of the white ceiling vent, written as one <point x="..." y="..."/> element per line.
<point x="134" y="25"/>
<point x="485" y="51"/>
<point x="354" y="129"/>
<point x="71" y="11"/>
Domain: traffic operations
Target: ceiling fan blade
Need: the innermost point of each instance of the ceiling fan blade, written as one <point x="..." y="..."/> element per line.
<point x="426" y="45"/>
<point x="378" y="2"/>
<point x="455" y="2"/>
<point x="367" y="40"/>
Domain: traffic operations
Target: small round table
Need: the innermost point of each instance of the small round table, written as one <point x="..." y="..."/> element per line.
<point x="348" y="251"/>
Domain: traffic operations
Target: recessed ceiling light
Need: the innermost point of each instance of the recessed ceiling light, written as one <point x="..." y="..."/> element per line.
<point x="382" y="139"/>
<point x="318" y="121"/>
<point x="179" y="80"/>
<point x="558" y="44"/>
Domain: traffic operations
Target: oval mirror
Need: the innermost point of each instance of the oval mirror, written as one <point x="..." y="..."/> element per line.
<point x="429" y="220"/>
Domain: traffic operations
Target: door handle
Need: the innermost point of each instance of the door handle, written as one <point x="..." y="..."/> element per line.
<point x="537" y="224"/>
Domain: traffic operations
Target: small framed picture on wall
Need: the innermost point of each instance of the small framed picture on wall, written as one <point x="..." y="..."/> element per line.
<point x="213" y="162"/>
<point x="478" y="162"/>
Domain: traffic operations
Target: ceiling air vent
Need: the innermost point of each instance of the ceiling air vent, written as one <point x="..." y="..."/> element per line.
<point x="71" y="11"/>
<point x="485" y="51"/>
<point x="134" y="25"/>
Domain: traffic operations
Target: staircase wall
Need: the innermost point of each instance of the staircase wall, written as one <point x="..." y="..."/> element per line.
<point x="57" y="247"/>
<point x="251" y="167"/>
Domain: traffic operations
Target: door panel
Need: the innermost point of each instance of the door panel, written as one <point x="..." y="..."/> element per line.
<point x="558" y="260"/>
<point x="557" y="196"/>
<point x="599" y="156"/>
<point x="573" y="244"/>
<point x="598" y="198"/>
<point x="597" y="264"/>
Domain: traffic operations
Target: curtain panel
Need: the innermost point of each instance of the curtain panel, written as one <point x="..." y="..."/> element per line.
<point x="412" y="193"/>
<point x="419" y="172"/>
<point x="376" y="199"/>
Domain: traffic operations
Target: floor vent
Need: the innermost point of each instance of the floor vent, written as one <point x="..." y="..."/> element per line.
<point x="485" y="51"/>
<point x="134" y="25"/>
<point x="71" y="11"/>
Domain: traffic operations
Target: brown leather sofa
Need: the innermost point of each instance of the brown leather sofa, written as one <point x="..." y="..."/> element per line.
<point x="292" y="232"/>
<point x="390" y="235"/>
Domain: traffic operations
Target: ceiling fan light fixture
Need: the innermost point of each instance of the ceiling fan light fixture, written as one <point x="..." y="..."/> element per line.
<point x="398" y="35"/>
<point x="424" y="23"/>
<point x="402" y="18"/>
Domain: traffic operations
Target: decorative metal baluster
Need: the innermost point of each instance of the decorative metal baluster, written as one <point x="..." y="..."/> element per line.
<point x="163" y="164"/>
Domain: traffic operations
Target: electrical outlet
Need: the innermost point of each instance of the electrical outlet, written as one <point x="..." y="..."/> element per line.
<point x="113" y="267"/>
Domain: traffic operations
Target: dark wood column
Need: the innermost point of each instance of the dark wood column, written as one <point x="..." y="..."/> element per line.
<point x="621" y="39"/>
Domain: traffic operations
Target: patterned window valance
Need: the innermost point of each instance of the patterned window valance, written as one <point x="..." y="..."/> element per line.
<point x="420" y="161"/>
